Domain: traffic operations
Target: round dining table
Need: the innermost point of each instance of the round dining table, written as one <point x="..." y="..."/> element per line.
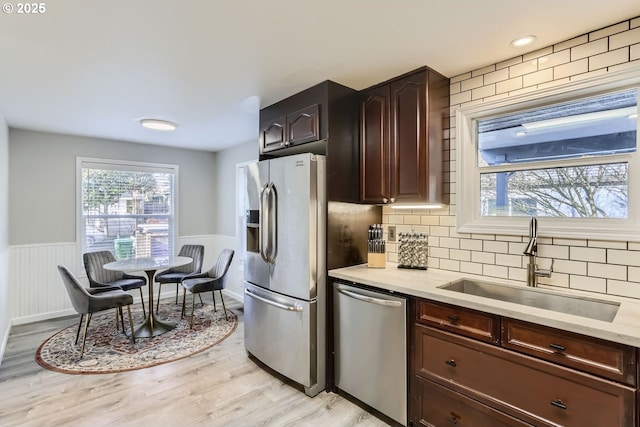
<point x="151" y="327"/>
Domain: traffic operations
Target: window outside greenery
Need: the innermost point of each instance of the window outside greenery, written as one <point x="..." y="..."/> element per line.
<point x="127" y="209"/>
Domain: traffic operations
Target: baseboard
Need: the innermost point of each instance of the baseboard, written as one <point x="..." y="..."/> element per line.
<point x="43" y="316"/>
<point x="5" y="340"/>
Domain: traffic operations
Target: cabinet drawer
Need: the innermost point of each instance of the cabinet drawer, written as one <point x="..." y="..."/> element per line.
<point x="530" y="389"/>
<point x="440" y="406"/>
<point x="604" y="358"/>
<point x="464" y="321"/>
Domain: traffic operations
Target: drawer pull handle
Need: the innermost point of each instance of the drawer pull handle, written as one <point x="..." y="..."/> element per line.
<point x="451" y="362"/>
<point x="557" y="347"/>
<point x="452" y="318"/>
<point x="453" y="420"/>
<point x="558" y="404"/>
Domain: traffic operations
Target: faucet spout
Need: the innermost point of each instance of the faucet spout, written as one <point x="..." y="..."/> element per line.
<point x="532" y="246"/>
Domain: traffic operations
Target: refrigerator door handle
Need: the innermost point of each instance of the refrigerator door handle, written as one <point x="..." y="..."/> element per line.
<point x="273" y="303"/>
<point x="273" y="226"/>
<point x="264" y="225"/>
<point x="372" y="300"/>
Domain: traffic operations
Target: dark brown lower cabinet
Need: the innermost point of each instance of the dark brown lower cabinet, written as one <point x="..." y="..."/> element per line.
<point x="440" y="407"/>
<point x="522" y="387"/>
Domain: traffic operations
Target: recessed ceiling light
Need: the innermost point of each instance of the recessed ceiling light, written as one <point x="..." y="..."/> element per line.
<point x="523" y="41"/>
<point x="157" y="124"/>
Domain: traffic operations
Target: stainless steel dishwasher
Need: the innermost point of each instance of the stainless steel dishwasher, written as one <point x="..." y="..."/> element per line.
<point x="370" y="344"/>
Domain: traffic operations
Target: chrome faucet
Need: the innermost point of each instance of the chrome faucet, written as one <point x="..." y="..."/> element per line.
<point x="533" y="272"/>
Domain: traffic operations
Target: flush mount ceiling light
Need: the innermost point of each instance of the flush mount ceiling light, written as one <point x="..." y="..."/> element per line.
<point x="523" y="41"/>
<point x="157" y="124"/>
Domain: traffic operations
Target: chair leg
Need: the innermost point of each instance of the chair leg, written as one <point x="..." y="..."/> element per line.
<point x="121" y="319"/>
<point x="158" y="299"/>
<point x="193" y="305"/>
<point x="184" y="301"/>
<point x="223" y="307"/>
<point x="84" y="335"/>
<point x="213" y="295"/>
<point x="79" y="327"/>
<point x="177" y="290"/>
<point x="144" y="313"/>
<point x="200" y="296"/>
<point x="133" y="336"/>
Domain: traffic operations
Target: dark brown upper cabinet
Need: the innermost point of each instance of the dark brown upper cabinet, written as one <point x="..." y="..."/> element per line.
<point x="322" y="119"/>
<point x="401" y="131"/>
<point x="298" y="127"/>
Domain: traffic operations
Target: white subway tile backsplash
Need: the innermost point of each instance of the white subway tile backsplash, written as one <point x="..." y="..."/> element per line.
<point x="571" y="68"/>
<point x="607" y="271"/>
<point x="623" y="289"/>
<point x="509" y="85"/>
<point x="634" y="52"/>
<point x="495" y="271"/>
<point x="620" y="257"/>
<point x="588" y="254"/>
<point x="483" y="92"/>
<point x="608" y="59"/>
<point x="624" y="39"/>
<point x="607" y="31"/>
<point x="470" y="267"/>
<point x="554" y="59"/>
<point x="483" y="70"/>
<point x="471" y="83"/>
<point x="591" y="265"/>
<point x="509" y="260"/>
<point x="538" y="77"/>
<point x="483" y="257"/>
<point x="537" y="53"/>
<point x="460" y="255"/>
<point x="496" y="76"/>
<point x="591" y="284"/>
<point x="570" y="43"/>
<point x="496" y="247"/>
<point x="527" y="67"/>
<point x="460" y="98"/>
<point x="570" y="267"/>
<point x="589" y="49"/>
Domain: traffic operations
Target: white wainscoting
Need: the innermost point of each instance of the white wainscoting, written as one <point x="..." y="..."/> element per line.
<point x="36" y="291"/>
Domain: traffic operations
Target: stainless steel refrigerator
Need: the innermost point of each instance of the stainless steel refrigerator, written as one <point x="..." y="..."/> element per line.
<point x="285" y="267"/>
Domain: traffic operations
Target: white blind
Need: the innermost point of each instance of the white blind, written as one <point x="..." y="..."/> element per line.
<point x="127" y="208"/>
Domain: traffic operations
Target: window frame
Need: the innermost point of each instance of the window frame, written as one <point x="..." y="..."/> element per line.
<point x="468" y="218"/>
<point x="137" y="166"/>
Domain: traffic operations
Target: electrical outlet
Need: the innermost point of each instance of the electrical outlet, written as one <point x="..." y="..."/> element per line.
<point x="392" y="233"/>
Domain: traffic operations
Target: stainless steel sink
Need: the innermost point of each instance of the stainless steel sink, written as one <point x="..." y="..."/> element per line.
<point x="578" y="306"/>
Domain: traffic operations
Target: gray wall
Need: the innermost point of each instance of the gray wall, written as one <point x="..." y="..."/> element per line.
<point x="42" y="183"/>
<point x="225" y="184"/>
<point x="5" y="319"/>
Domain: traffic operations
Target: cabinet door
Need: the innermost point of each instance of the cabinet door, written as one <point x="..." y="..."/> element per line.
<point x="272" y="134"/>
<point x="409" y="138"/>
<point x="440" y="407"/>
<point x="375" y="150"/>
<point x="303" y="125"/>
<point x="526" y="388"/>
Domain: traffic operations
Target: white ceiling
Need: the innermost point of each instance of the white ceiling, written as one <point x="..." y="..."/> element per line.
<point x="95" y="68"/>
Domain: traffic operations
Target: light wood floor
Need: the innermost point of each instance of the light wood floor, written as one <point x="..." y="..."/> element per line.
<point x="218" y="387"/>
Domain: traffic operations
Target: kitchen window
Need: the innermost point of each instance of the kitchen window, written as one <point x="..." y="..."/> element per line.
<point x="567" y="156"/>
<point x="127" y="208"/>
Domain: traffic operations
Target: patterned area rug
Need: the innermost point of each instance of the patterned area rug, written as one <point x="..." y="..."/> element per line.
<point x="108" y="350"/>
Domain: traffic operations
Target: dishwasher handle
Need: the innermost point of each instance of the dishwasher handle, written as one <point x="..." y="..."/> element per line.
<point x="273" y="303"/>
<point x="367" y="298"/>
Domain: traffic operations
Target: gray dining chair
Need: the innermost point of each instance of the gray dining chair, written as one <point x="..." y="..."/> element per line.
<point x="99" y="276"/>
<point x="212" y="280"/>
<point x="92" y="300"/>
<point x="176" y="274"/>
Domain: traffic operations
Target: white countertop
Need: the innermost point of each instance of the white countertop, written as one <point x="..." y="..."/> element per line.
<point x="625" y="327"/>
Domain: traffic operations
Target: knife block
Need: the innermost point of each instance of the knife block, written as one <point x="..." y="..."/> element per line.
<point x="376" y="260"/>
